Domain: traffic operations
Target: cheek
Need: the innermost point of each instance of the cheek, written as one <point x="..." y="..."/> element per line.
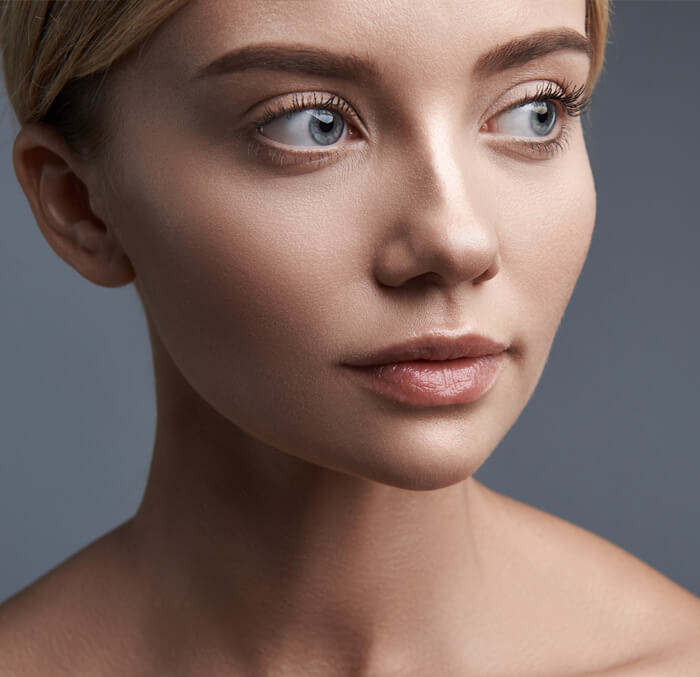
<point x="258" y="286"/>
<point x="547" y="227"/>
<point x="247" y="283"/>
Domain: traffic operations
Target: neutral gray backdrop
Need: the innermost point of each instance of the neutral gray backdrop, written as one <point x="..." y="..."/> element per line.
<point x="609" y="440"/>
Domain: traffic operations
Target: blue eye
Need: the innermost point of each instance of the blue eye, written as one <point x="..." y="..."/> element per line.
<point x="538" y="117"/>
<point x="310" y="127"/>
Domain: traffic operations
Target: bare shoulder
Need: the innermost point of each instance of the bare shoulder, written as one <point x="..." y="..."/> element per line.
<point x="595" y="594"/>
<point x="29" y="624"/>
<point x="55" y="625"/>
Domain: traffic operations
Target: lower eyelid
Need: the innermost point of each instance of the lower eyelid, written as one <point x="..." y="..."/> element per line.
<point x="280" y="155"/>
<point x="548" y="148"/>
<point x="285" y="156"/>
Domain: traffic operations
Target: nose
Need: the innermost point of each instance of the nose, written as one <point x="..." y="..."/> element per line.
<point x="439" y="231"/>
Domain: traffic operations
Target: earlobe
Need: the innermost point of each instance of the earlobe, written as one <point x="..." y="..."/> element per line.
<point x="50" y="176"/>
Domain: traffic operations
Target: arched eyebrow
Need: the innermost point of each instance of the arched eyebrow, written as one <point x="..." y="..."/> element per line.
<point x="315" y="61"/>
<point x="522" y="50"/>
<point x="293" y="59"/>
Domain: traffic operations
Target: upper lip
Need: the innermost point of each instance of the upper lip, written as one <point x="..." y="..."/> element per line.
<point x="434" y="346"/>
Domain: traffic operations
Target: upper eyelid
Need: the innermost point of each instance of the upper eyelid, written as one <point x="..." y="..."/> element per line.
<point x="572" y="99"/>
<point x="293" y="105"/>
<point x="341" y="105"/>
<point x="560" y="126"/>
<point x="333" y="101"/>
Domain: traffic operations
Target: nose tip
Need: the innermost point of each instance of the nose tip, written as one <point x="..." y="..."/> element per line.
<point x="439" y="252"/>
<point x="441" y="228"/>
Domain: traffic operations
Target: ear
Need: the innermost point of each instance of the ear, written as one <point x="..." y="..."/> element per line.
<point x="50" y="175"/>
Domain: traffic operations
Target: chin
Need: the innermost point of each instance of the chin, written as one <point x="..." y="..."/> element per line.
<point x="425" y="476"/>
<point x="425" y="464"/>
<point x="416" y="449"/>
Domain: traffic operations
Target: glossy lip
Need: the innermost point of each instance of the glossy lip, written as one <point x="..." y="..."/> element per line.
<point x="434" y="346"/>
<point x="433" y="370"/>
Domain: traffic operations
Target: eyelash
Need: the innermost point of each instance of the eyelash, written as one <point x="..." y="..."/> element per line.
<point x="570" y="99"/>
<point x="298" y="103"/>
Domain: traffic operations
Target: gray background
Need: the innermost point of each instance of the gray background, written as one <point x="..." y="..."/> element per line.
<point x="609" y="440"/>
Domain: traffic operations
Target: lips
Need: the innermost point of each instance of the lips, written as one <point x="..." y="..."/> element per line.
<point x="433" y="370"/>
<point x="434" y="347"/>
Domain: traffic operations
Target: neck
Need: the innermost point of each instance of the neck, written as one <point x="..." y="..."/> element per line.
<point x="269" y="551"/>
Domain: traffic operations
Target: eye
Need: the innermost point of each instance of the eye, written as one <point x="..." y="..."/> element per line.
<point x="535" y="118"/>
<point x="305" y="128"/>
<point x="540" y="124"/>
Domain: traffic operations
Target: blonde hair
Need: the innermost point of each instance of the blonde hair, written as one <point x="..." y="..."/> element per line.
<point x="597" y="21"/>
<point x="56" y="56"/>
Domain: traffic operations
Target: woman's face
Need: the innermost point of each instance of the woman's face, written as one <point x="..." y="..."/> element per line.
<point x="270" y="248"/>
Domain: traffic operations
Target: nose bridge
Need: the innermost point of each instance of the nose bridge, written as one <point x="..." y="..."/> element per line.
<point x="436" y="174"/>
<point x="442" y="229"/>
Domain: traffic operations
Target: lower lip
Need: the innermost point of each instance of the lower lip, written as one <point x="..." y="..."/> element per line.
<point x="429" y="383"/>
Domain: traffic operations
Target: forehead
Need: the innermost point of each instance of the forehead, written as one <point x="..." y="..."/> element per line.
<point x="427" y="36"/>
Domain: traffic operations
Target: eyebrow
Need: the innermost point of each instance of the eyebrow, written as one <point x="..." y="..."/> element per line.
<point x="523" y="50"/>
<point x="315" y="61"/>
<point x="293" y="59"/>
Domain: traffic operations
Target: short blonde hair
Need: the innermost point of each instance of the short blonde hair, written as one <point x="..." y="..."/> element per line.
<point x="56" y="56"/>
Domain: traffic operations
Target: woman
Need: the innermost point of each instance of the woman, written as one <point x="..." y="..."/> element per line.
<point x="337" y="223"/>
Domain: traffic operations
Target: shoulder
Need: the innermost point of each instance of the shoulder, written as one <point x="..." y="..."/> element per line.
<point x="30" y="629"/>
<point x="58" y="624"/>
<point x="677" y="660"/>
<point x="597" y="600"/>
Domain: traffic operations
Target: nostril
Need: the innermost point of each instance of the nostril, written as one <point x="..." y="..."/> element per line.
<point x="487" y="275"/>
<point x="490" y="272"/>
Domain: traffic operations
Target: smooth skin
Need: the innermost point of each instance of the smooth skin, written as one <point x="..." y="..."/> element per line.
<point x="294" y="523"/>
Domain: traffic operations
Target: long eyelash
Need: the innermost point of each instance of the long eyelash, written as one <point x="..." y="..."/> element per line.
<point x="300" y="102"/>
<point x="572" y="99"/>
